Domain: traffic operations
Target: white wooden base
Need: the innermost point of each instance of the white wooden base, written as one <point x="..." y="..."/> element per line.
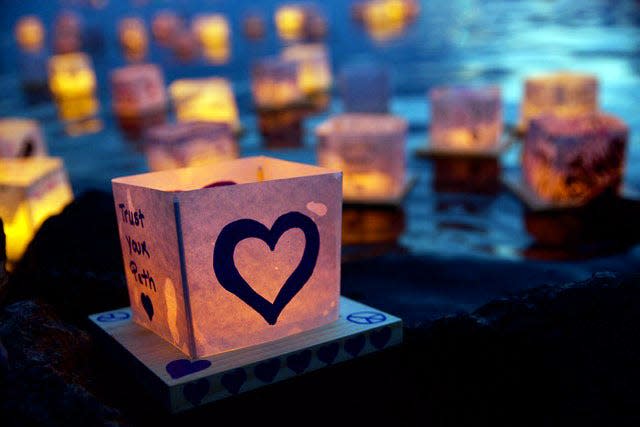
<point x="181" y="384"/>
<point x="394" y="201"/>
<point x="429" y="151"/>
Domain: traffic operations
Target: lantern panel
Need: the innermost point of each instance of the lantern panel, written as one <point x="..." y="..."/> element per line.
<point x="314" y="69"/>
<point x="210" y="99"/>
<point x="138" y="90"/>
<point x="21" y="138"/>
<point x="275" y="83"/>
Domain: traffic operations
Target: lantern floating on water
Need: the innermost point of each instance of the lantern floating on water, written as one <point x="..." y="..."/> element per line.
<point x="370" y="151"/>
<point x="244" y="228"/>
<point x="466" y="119"/>
<point x="208" y="99"/>
<point x="275" y="83"/>
<point x="21" y="138"/>
<point x="365" y="88"/>
<point x="385" y="19"/>
<point x="172" y="146"/>
<point x="67" y="33"/>
<point x="134" y="39"/>
<point x="138" y="90"/>
<point x="185" y="46"/>
<point x="30" y="33"/>
<point x="253" y="26"/>
<point x="165" y="26"/>
<point x="31" y="190"/>
<point x="313" y="67"/>
<point x="569" y="161"/>
<point x="563" y="94"/>
<point x="213" y="33"/>
<point x="297" y="21"/>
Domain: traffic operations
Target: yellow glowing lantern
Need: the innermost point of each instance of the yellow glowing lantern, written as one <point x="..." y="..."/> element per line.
<point x="314" y="69"/>
<point x="133" y="38"/>
<point x="563" y="94"/>
<point x="211" y="30"/>
<point x="275" y="83"/>
<point x="209" y="100"/>
<point x="290" y="21"/>
<point x="31" y="190"/>
<point x="233" y="256"/>
<point x="370" y="151"/>
<point x="387" y="18"/>
<point x="73" y="83"/>
<point x="30" y="33"/>
<point x="21" y="138"/>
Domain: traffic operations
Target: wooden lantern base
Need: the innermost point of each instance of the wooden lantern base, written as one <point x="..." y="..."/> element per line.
<point x="429" y="151"/>
<point x="180" y="384"/>
<point x="393" y="201"/>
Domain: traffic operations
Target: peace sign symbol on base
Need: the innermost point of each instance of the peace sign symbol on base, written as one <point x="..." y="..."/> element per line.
<point x="366" y="317"/>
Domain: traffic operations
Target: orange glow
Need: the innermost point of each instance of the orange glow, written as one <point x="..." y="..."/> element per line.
<point x="211" y="30"/>
<point x="30" y="33"/>
<point x="314" y="70"/>
<point x="209" y="100"/>
<point x="290" y="21"/>
<point x="133" y="38"/>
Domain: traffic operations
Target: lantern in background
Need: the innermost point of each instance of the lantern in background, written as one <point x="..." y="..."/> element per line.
<point x="253" y="26"/>
<point x="172" y="146"/>
<point x="209" y="99"/>
<point x="133" y="38"/>
<point x="165" y="26"/>
<point x="290" y="21"/>
<point x="369" y="149"/>
<point x="21" y="138"/>
<point x="466" y="119"/>
<point x="67" y="33"/>
<point x="258" y="240"/>
<point x="365" y="88"/>
<point x="73" y="83"/>
<point x="185" y="46"/>
<point x="314" y="70"/>
<point x="138" y="90"/>
<point x="563" y="94"/>
<point x="569" y="161"/>
<point x="31" y="190"/>
<point x="275" y="83"/>
<point x="212" y="31"/>
<point x="281" y="128"/>
<point x="30" y="33"/>
<point x="385" y="19"/>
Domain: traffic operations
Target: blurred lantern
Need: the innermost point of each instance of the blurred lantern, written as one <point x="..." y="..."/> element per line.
<point x="30" y="33"/>
<point x="31" y="190"/>
<point x="67" y="33"/>
<point x="385" y="19"/>
<point x="245" y="228"/>
<point x="365" y="88"/>
<point x="212" y="31"/>
<point x="179" y="145"/>
<point x="569" y="161"/>
<point x="134" y="39"/>
<point x="466" y="119"/>
<point x="208" y="99"/>
<point x="369" y="149"/>
<point x="185" y="46"/>
<point x="21" y="138"/>
<point x="281" y="128"/>
<point x="290" y="20"/>
<point x="563" y="94"/>
<point x="253" y="26"/>
<point x="275" y="83"/>
<point x="314" y="70"/>
<point x="165" y="26"/>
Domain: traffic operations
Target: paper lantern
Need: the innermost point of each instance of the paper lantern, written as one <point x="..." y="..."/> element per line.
<point x="290" y="21"/>
<point x="67" y="33"/>
<point x="165" y="26"/>
<point x="253" y="26"/>
<point x="209" y="99"/>
<point x="365" y="88"/>
<point x="228" y="257"/>
<point x="134" y="39"/>
<point x="21" y="138"/>
<point x="275" y="83"/>
<point x="73" y="83"/>
<point x="30" y="33"/>
<point x="185" y="46"/>
<point x="179" y="145"/>
<point x="385" y="19"/>
<point x="211" y="30"/>
<point x="31" y="190"/>
<point x="138" y="90"/>
<point x="369" y="150"/>
<point x="466" y="119"/>
<point x="563" y="94"/>
<point x="569" y="161"/>
<point x="314" y="70"/>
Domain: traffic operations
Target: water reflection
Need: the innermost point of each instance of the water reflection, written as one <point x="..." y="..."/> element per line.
<point x="466" y="174"/>
<point x="371" y="231"/>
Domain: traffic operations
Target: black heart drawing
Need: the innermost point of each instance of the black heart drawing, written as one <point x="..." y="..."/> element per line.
<point x="195" y="391"/>
<point x="182" y="367"/>
<point x="267" y="371"/>
<point x="328" y="353"/>
<point x="225" y="268"/>
<point x="381" y="337"/>
<point x="147" y="305"/>
<point x="234" y="380"/>
<point x="354" y="345"/>
<point x="299" y="362"/>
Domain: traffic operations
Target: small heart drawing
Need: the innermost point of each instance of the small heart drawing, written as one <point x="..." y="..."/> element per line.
<point x="354" y="345"/>
<point x="234" y="380"/>
<point x="381" y="337"/>
<point x="147" y="305"/>
<point x="182" y="367"/>
<point x="229" y="277"/>
<point x="328" y="353"/>
<point x="267" y="371"/>
<point x="299" y="362"/>
<point x="195" y="391"/>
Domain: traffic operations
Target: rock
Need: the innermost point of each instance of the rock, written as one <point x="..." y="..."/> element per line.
<point x="47" y="371"/>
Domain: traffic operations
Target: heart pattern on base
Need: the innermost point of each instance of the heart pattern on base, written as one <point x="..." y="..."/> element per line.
<point x="299" y="362"/>
<point x="182" y="367"/>
<point x="267" y="371"/>
<point x="328" y="353"/>
<point x="147" y="304"/>
<point x="234" y="380"/>
<point x="195" y="391"/>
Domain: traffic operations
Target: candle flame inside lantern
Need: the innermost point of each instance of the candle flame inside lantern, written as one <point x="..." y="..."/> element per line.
<point x="210" y="99"/>
<point x="290" y="21"/>
<point x="73" y="82"/>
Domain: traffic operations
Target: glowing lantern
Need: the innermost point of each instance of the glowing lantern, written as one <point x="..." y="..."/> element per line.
<point x="562" y="94"/>
<point x="212" y="31"/>
<point x="365" y="88"/>
<point x="73" y="83"/>
<point x="232" y="256"/>
<point x="290" y="20"/>
<point x="138" y="90"/>
<point x="210" y="100"/>
<point x="165" y="26"/>
<point x="466" y="119"/>
<point x="385" y="19"/>
<point x="275" y="83"/>
<point x="314" y="70"/>
<point x="30" y="33"/>
<point x="369" y="150"/>
<point x="253" y="26"/>
<point x="569" y="161"/>
<point x="67" y="33"/>
<point x="133" y="38"/>
<point x="185" y="46"/>
<point x="21" y="138"/>
<point x="172" y="146"/>
<point x="31" y="190"/>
